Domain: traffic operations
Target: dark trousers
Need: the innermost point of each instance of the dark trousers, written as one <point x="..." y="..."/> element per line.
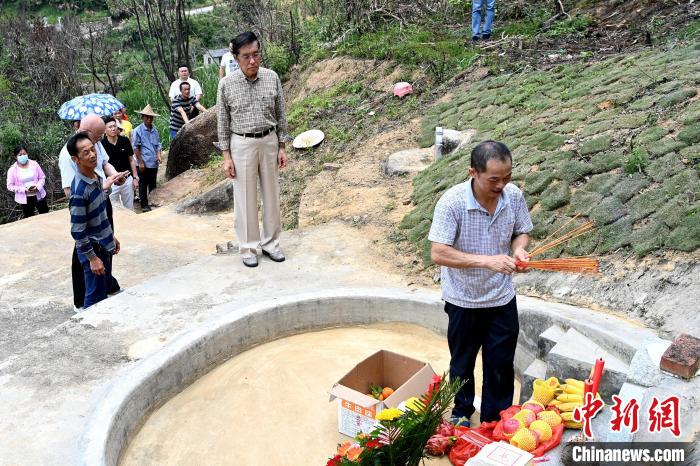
<point x="495" y="331"/>
<point x="78" y="274"/>
<point x="32" y="203"/>
<point x="97" y="286"/>
<point x="147" y="183"/>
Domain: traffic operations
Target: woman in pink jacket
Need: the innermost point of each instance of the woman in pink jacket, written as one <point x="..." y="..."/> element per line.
<point x="26" y="179"/>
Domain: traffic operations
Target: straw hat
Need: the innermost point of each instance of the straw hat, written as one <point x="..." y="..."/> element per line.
<point x="147" y="110"/>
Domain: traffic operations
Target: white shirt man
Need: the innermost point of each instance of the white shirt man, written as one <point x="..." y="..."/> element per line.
<point x="195" y="88"/>
<point x="228" y="62"/>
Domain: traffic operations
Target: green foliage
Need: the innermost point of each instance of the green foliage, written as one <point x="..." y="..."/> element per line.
<point x="607" y="211"/>
<point x="570" y="26"/>
<point x="677" y="97"/>
<point x="685" y="237"/>
<point x="690" y="135"/>
<point x="596" y="145"/>
<point x="629" y="186"/>
<point x="637" y="160"/>
<point x="556" y="195"/>
<point x="649" y="238"/>
<point x="413" y="45"/>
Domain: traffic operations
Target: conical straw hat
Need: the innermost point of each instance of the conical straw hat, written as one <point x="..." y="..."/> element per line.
<point x="147" y="110"/>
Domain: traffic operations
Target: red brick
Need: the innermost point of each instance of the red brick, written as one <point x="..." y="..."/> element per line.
<point x="682" y="358"/>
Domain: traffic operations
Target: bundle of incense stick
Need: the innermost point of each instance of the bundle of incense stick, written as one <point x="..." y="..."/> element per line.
<point x="564" y="264"/>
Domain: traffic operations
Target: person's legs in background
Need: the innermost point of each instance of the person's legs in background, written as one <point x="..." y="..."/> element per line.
<point x="78" y="277"/>
<point x="476" y="18"/>
<point x="488" y="21"/>
<point x="42" y="206"/>
<point x="97" y="285"/>
<point x="28" y="208"/>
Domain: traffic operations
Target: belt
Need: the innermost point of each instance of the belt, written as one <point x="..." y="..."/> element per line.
<point x="258" y="135"/>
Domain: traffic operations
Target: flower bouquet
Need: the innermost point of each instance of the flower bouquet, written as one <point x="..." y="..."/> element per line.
<point x="401" y="436"/>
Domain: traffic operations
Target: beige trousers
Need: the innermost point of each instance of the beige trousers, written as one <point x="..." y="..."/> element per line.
<point x="255" y="159"/>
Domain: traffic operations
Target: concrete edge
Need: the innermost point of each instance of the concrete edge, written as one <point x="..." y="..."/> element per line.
<point x="123" y="404"/>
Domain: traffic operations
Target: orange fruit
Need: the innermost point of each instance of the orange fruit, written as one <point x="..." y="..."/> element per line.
<point x="381" y="397"/>
<point x="387" y="391"/>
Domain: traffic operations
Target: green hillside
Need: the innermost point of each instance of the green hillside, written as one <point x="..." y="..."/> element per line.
<point x="617" y="141"/>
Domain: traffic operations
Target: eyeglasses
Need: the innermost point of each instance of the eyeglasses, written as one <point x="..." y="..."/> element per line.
<point x="254" y="56"/>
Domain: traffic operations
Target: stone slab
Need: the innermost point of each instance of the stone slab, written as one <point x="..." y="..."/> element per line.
<point x="574" y="357"/>
<point x="548" y="339"/>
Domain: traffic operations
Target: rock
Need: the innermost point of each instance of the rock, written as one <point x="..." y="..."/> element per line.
<point x="193" y="145"/>
<point x="331" y="166"/>
<point x="644" y="366"/>
<point x="407" y="161"/>
<point x="217" y="199"/>
<point x="682" y="358"/>
<point x="453" y="140"/>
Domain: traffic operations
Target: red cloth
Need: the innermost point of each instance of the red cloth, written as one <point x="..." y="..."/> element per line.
<point x="470" y="441"/>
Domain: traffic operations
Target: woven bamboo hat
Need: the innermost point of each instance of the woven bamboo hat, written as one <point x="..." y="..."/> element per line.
<point x="147" y="110"/>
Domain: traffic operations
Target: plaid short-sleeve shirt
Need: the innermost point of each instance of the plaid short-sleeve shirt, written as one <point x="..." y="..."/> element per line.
<point x="461" y="222"/>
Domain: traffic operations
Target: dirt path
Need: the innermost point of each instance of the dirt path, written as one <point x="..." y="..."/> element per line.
<point x="360" y="195"/>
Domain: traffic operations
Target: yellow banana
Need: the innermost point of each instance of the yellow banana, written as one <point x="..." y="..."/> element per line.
<point x="575" y="383"/>
<point x="570" y="398"/>
<point x="572" y="425"/>
<point x="554" y="403"/>
<point x="567" y="416"/>
<point x="568" y="406"/>
<point x="568" y="388"/>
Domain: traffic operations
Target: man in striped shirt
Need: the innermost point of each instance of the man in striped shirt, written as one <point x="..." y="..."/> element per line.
<point x="480" y="229"/>
<point x="183" y="109"/>
<point x="90" y="227"/>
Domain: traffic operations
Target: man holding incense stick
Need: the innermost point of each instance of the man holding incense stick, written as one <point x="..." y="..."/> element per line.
<point x="480" y="229"/>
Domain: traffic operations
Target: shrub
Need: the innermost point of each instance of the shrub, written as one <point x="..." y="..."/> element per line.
<point x="636" y="161"/>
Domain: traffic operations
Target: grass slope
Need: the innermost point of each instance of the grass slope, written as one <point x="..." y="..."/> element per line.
<point x="616" y="141"/>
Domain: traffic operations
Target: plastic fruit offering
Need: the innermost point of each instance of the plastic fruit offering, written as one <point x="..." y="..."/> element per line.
<point x="524" y="439"/>
<point x="534" y="406"/>
<point x="543" y="429"/>
<point x="550" y="417"/>
<point x="511" y="426"/>
<point x="525" y="416"/>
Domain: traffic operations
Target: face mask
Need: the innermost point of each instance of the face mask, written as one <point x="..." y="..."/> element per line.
<point x="22" y="159"/>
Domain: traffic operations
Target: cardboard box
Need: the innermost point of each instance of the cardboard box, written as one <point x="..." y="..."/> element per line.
<point x="356" y="409"/>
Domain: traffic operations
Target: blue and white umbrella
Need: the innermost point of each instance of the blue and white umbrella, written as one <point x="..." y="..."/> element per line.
<point x="100" y="104"/>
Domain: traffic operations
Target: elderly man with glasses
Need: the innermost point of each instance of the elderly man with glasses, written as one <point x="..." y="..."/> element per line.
<point x="252" y="131"/>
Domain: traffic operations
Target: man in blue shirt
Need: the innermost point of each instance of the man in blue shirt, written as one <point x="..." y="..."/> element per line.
<point x="147" y="150"/>
<point x="89" y="225"/>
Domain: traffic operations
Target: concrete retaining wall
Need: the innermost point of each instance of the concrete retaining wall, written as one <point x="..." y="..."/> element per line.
<point x="124" y="404"/>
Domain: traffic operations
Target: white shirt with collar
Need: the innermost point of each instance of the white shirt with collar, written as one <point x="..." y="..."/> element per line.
<point x="195" y="88"/>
